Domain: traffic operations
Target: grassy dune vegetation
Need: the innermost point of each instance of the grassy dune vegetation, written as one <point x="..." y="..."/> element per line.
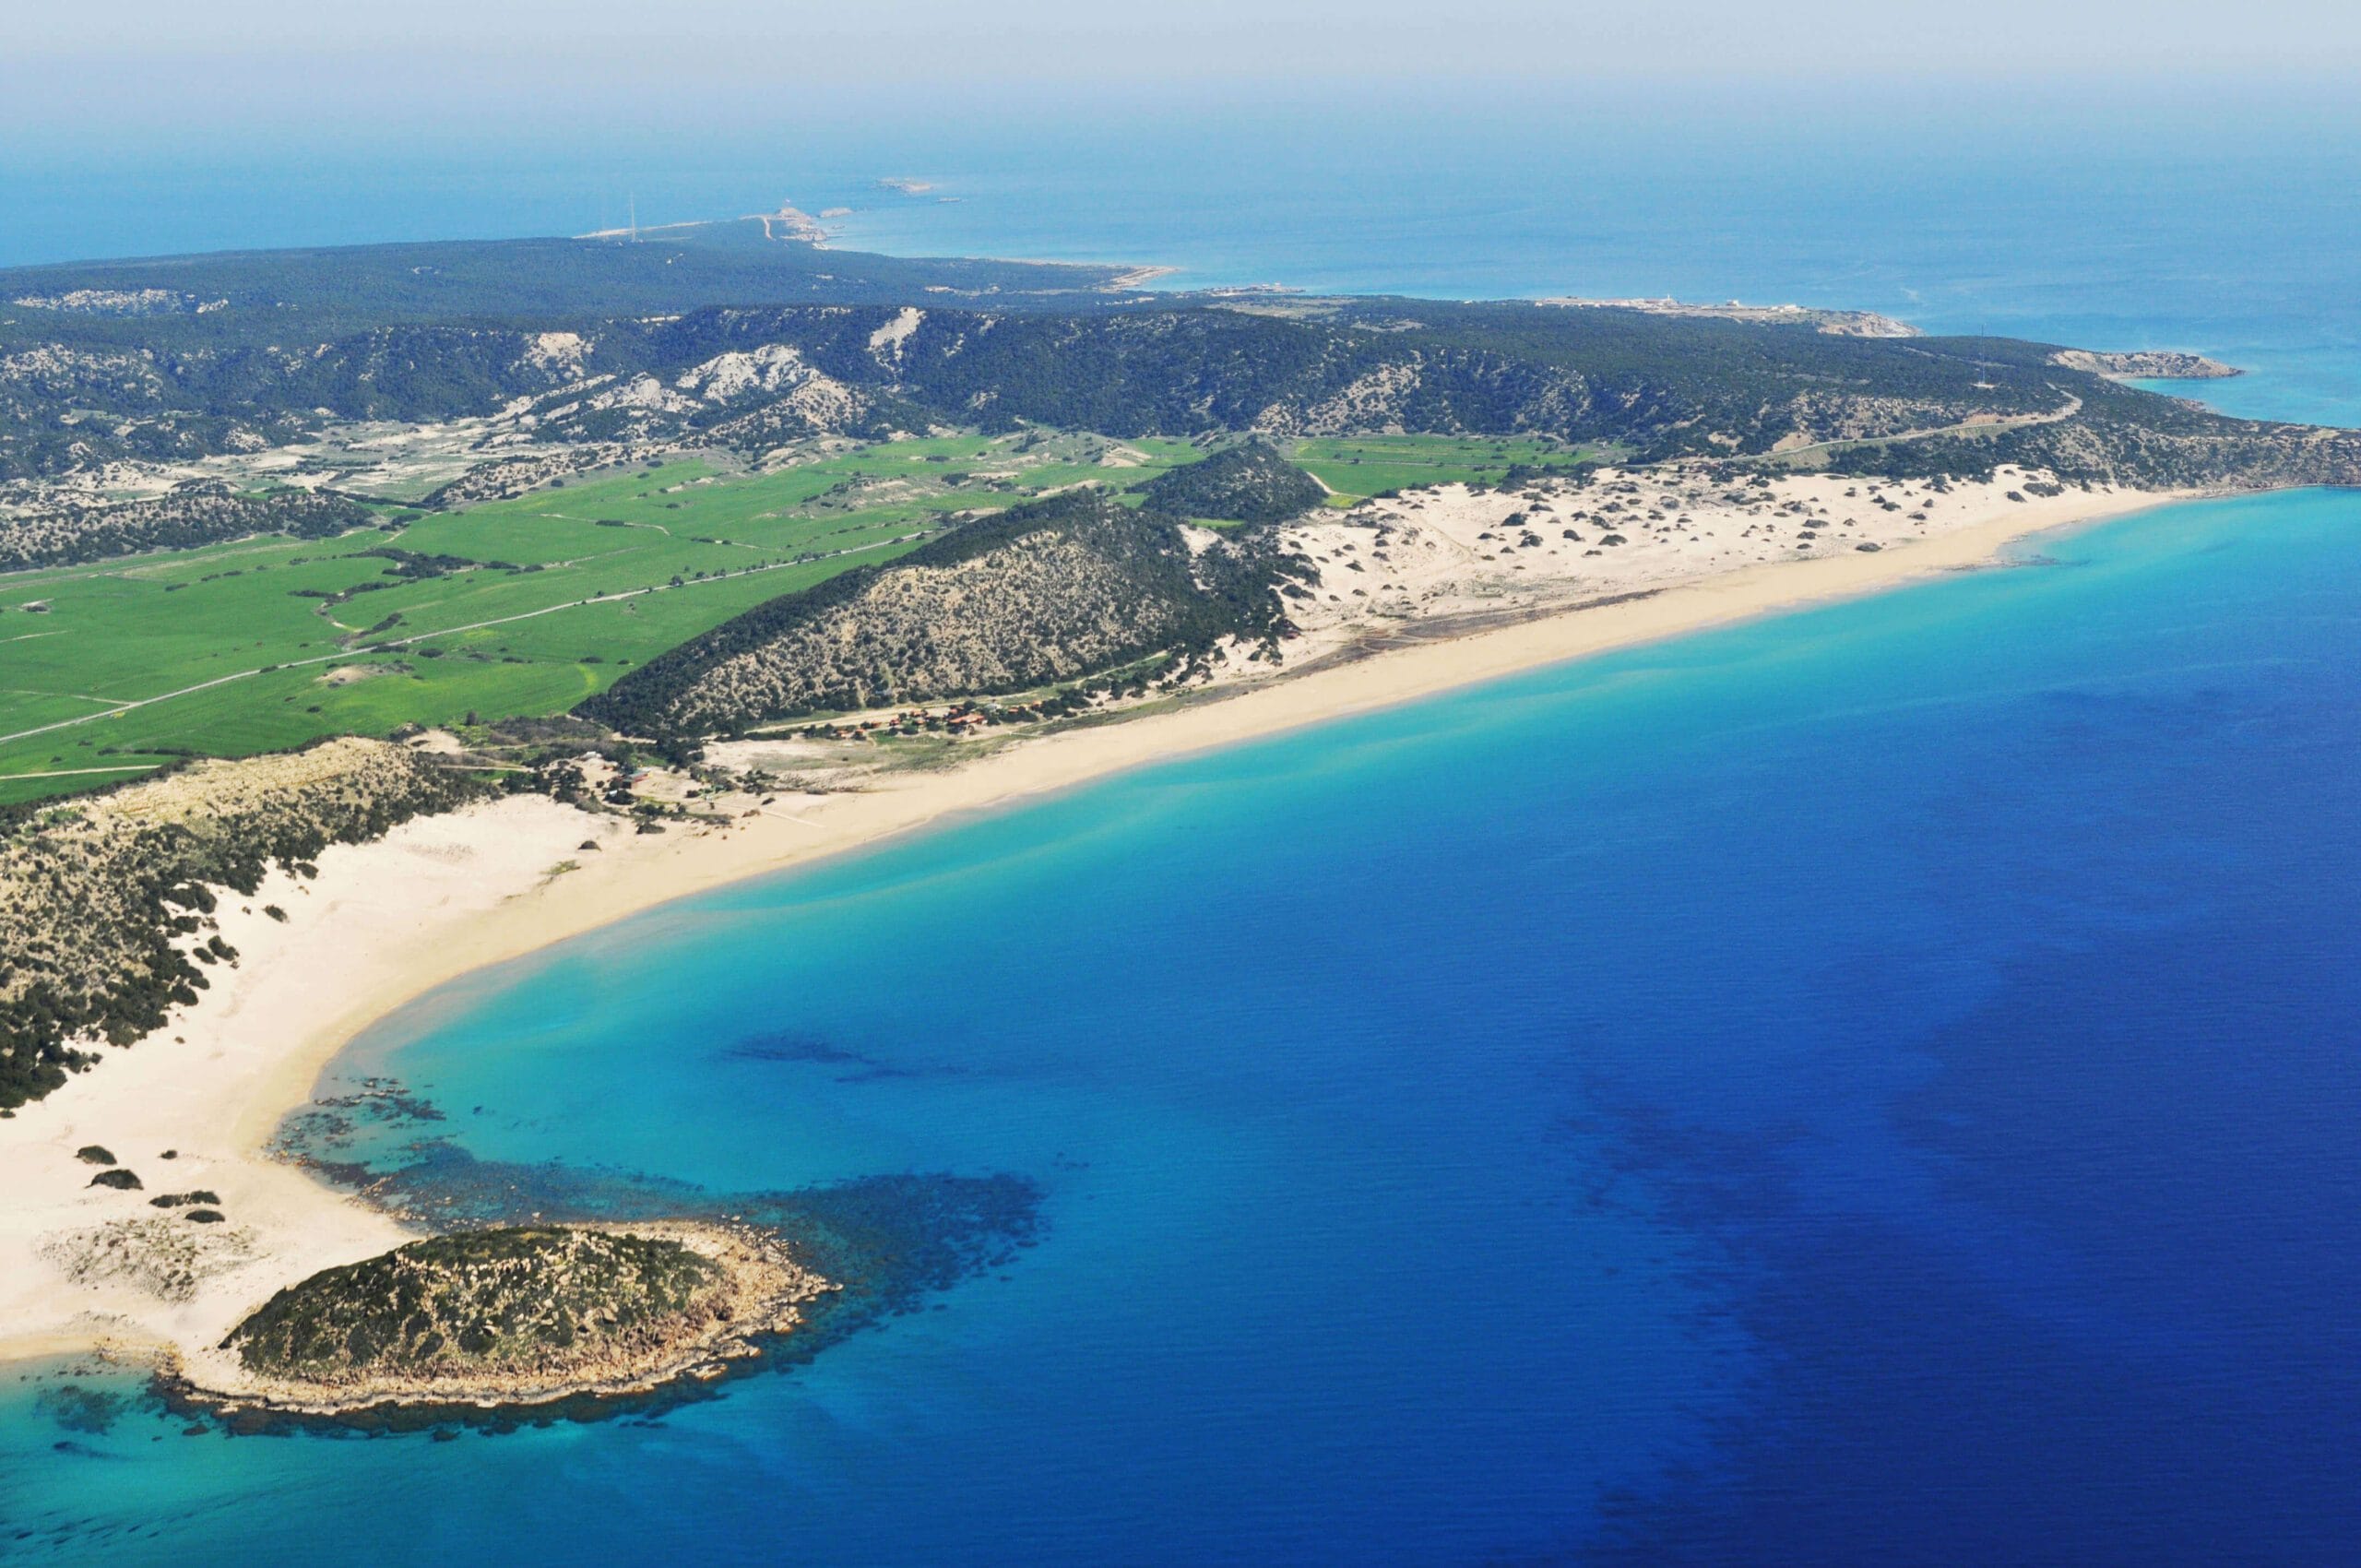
<point x="1355" y="467"/>
<point x="516" y="607"/>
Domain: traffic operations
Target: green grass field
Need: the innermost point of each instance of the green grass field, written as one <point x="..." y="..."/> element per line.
<point x="562" y="591"/>
<point x="1355" y="468"/>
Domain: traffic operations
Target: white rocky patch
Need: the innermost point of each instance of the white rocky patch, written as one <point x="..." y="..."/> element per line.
<point x="780" y="374"/>
<point x="54" y="370"/>
<point x="1453" y="551"/>
<point x="773" y="368"/>
<point x="644" y="392"/>
<point x="158" y="1257"/>
<point x="121" y="302"/>
<point x="558" y="353"/>
<point x="885" y="343"/>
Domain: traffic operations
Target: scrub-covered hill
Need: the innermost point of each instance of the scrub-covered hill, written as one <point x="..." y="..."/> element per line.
<point x="1239" y="484"/>
<point x="1071" y="586"/>
<point x="521" y="1315"/>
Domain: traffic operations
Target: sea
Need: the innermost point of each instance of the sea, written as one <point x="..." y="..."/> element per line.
<point x="1878" y="1085"/>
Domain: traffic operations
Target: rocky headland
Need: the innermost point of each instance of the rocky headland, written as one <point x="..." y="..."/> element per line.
<point x="509" y="1318"/>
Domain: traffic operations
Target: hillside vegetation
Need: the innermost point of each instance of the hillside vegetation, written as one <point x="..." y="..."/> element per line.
<point x="722" y="338"/>
<point x="1069" y="586"/>
<point x="69" y="534"/>
<point x="512" y="1316"/>
<point x="104" y="906"/>
<point x="1249" y="483"/>
<point x="480" y="1300"/>
<point x="520" y="607"/>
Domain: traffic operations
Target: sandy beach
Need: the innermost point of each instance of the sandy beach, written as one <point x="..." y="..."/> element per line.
<point x="386" y="922"/>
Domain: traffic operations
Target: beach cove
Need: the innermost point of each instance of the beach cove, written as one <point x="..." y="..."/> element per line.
<point x="445" y="896"/>
<point x="1872" y="1084"/>
<point x="1703" y="1160"/>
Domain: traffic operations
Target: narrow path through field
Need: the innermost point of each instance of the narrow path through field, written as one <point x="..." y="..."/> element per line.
<point x="76" y="772"/>
<point x="605" y="522"/>
<point x="346" y="655"/>
<point x="1994" y="425"/>
<point x="69" y="696"/>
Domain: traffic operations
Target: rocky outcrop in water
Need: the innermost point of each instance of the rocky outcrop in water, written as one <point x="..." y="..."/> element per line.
<point x="516" y="1315"/>
<point x="2153" y="364"/>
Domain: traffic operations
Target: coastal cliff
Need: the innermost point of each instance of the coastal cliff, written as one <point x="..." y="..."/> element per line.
<point x="2150" y="365"/>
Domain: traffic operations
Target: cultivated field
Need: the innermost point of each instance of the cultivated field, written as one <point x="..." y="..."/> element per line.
<point x="516" y="607"/>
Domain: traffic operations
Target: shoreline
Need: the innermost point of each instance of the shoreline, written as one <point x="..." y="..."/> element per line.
<point x="440" y="898"/>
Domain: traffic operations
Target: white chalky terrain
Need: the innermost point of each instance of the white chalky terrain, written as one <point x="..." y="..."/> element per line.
<point x="1452" y="552"/>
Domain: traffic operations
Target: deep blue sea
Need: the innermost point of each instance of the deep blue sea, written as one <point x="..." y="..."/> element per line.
<point x="1875" y="1086"/>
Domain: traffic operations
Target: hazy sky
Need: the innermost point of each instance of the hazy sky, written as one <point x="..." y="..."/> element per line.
<point x="789" y="41"/>
<point x="84" y="80"/>
<point x="196" y="124"/>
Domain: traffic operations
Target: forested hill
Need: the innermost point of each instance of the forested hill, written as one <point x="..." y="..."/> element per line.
<point x="1067" y="586"/>
<point x="728" y="338"/>
<point x="252" y="298"/>
<point x="1247" y="483"/>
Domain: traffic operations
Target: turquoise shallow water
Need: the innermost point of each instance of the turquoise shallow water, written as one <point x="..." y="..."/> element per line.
<point x="1874" y="1085"/>
<point x="1831" y="1089"/>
